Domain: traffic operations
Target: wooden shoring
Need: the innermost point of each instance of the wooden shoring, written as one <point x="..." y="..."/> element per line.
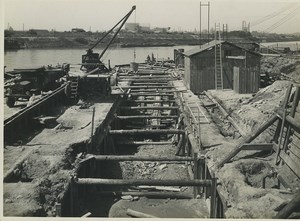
<point x="294" y="123"/>
<point x="144" y="143"/>
<point x="289" y="208"/>
<point x="284" y="106"/>
<point x="160" y="131"/>
<point x="213" y="196"/>
<point x="150" y="84"/>
<point x="152" y="91"/>
<point x="248" y="139"/>
<point x="144" y="77"/>
<point x="135" y="182"/>
<point x="147" y="80"/>
<point x="152" y="101"/>
<point x="262" y="146"/>
<point x="146" y="117"/>
<point x="152" y="194"/>
<point x="142" y="87"/>
<point x="292" y="114"/>
<point x="149" y="108"/>
<point x="139" y="158"/>
<point x="152" y="94"/>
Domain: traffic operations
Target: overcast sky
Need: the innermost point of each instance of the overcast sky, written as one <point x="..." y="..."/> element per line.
<point x="101" y="15"/>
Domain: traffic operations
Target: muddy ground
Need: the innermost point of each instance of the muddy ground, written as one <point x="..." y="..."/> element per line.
<point x="45" y="163"/>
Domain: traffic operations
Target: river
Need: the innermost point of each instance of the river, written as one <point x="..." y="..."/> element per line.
<point x="38" y="57"/>
<point x="293" y="45"/>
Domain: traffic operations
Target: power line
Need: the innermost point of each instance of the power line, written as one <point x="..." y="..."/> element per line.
<point x="272" y="15"/>
<point x="283" y="20"/>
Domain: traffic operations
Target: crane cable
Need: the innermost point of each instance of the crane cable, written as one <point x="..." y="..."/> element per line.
<point x="134" y="54"/>
<point x="282" y="20"/>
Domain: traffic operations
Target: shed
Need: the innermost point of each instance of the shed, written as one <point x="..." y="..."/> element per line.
<point x="240" y="68"/>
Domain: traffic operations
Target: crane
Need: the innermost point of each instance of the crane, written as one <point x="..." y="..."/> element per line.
<point x="92" y="61"/>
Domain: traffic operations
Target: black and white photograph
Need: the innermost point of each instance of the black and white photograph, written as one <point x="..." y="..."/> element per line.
<point x="161" y="109"/>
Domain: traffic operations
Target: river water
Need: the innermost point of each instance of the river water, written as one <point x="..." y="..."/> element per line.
<point x="38" y="57"/>
<point x="29" y="58"/>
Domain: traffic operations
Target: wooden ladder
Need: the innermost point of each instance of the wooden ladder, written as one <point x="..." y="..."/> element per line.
<point x="218" y="59"/>
<point x="74" y="87"/>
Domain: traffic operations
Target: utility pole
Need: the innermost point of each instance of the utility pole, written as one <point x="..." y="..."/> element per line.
<point x="23" y="27"/>
<point x="208" y="8"/>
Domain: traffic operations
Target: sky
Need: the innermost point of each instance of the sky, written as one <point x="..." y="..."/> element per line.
<point x="182" y="15"/>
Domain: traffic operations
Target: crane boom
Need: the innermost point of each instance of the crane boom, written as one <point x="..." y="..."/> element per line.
<point x="91" y="60"/>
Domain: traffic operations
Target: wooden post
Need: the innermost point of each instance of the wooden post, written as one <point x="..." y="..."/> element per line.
<point x="213" y="196"/>
<point x="93" y="119"/>
<point x="284" y="106"/>
<point x="195" y="173"/>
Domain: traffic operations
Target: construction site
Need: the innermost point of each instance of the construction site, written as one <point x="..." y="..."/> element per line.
<point x="215" y="133"/>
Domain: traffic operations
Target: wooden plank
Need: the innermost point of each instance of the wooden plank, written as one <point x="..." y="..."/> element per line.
<point x="135" y="182"/>
<point x="153" y="101"/>
<point x="289" y="208"/>
<point x="152" y="194"/>
<point x="144" y="143"/>
<point x="137" y="131"/>
<point x="151" y="94"/>
<point x="264" y="146"/>
<point x="149" y="108"/>
<point x="293" y="165"/>
<point x="138" y="158"/>
<point x="147" y="117"/>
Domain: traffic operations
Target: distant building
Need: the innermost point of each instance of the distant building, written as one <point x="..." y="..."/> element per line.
<point x="160" y="30"/>
<point x="132" y="27"/>
<point x="144" y="28"/>
<point x="39" y="31"/>
<point x="78" y="30"/>
<point x="241" y="68"/>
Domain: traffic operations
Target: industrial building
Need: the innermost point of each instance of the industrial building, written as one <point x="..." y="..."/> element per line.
<point x="240" y="68"/>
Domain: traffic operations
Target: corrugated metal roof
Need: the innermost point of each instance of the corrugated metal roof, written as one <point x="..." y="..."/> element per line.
<point x="212" y="44"/>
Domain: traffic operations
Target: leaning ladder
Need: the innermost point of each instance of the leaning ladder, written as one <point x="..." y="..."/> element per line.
<point x="74" y="87"/>
<point x="218" y="59"/>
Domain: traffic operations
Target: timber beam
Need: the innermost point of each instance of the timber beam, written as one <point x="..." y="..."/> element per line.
<point x="149" y="108"/>
<point x="141" y="87"/>
<point x="150" y="94"/>
<point x="151" y="84"/>
<point x="144" y="143"/>
<point x="147" y="117"/>
<point x="153" y="101"/>
<point x="132" y="182"/>
<point x="138" y="158"/>
<point x="146" y="80"/>
<point x="137" y="131"/>
<point x="163" y="194"/>
<point x="153" y="90"/>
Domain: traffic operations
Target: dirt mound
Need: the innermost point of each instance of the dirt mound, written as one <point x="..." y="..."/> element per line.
<point x="276" y="65"/>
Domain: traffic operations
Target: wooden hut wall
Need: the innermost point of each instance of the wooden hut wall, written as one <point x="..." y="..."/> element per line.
<point x="187" y="72"/>
<point x="200" y="69"/>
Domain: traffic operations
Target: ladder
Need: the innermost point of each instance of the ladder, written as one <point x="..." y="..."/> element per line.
<point x="218" y="59"/>
<point x="74" y="87"/>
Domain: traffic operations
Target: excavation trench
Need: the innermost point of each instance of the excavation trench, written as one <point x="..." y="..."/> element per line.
<point x="148" y="166"/>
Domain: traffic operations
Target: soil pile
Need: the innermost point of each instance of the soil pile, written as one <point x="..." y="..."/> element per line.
<point x="274" y="66"/>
